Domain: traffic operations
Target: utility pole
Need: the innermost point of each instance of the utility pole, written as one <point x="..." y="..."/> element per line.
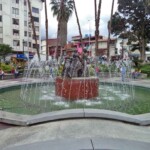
<point x="23" y="42"/>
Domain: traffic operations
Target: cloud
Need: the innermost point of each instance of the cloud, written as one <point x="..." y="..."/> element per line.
<point x="86" y="14"/>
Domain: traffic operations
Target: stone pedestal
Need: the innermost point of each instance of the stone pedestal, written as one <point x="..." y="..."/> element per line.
<point x="77" y="88"/>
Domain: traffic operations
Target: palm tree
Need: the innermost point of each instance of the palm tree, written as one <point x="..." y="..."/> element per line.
<point x="109" y="30"/>
<point x="33" y="28"/>
<point x="78" y="23"/>
<point x="62" y="10"/>
<point x="46" y="25"/>
<point x="97" y="19"/>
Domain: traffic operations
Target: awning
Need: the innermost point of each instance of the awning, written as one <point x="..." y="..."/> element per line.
<point x="22" y="56"/>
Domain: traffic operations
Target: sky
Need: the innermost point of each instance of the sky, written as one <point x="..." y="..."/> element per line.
<point x="86" y="14"/>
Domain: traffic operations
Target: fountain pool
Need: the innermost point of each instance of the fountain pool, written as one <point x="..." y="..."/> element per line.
<point x="116" y="97"/>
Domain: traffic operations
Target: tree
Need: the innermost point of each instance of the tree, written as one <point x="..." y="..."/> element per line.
<point x="33" y="28"/>
<point x="97" y="22"/>
<point x="135" y="20"/>
<point x="46" y="26"/>
<point x="78" y="23"/>
<point x="62" y="10"/>
<point x="4" y="51"/>
<point x="109" y="30"/>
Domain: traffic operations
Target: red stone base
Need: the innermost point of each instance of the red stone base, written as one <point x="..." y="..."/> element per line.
<point x="77" y="88"/>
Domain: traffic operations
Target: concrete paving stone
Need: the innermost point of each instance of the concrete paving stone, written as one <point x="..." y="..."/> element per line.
<point x="75" y="144"/>
<point x="119" y="144"/>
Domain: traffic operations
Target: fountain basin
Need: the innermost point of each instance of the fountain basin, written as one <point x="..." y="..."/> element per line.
<point x="77" y="88"/>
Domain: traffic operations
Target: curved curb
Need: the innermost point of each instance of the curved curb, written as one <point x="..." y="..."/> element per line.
<point x="26" y="120"/>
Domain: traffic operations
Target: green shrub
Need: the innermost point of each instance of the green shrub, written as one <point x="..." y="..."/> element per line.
<point x="146" y="69"/>
<point x="6" y="68"/>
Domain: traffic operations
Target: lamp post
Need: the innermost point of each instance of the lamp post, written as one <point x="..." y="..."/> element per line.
<point x="89" y="32"/>
<point x="23" y="42"/>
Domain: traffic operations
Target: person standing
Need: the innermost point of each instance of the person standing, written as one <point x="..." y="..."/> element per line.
<point x="123" y="72"/>
<point x="1" y="74"/>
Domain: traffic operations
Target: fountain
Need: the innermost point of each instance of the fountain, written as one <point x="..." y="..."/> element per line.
<point x="48" y="86"/>
<point x="75" y="81"/>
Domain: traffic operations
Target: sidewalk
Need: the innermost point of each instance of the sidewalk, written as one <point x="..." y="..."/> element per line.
<point x="75" y="134"/>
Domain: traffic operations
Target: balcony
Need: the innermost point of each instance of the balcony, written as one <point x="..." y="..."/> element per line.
<point x="16" y="36"/>
<point x="16" y="48"/>
<point x="16" y="27"/>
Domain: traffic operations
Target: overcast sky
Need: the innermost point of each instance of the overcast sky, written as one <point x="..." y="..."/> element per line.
<point x="86" y="14"/>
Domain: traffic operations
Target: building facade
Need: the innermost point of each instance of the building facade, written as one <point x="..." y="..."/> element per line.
<point x="15" y="25"/>
<point x="89" y="44"/>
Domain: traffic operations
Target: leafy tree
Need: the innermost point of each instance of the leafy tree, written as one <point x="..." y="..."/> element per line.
<point x="5" y="50"/>
<point x="133" y="19"/>
<point x="62" y="9"/>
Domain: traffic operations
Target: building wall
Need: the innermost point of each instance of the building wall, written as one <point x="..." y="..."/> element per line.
<point x="19" y="41"/>
<point x="43" y="47"/>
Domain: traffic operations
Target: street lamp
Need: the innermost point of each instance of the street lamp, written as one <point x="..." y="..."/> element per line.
<point x="23" y="42"/>
<point x="89" y="32"/>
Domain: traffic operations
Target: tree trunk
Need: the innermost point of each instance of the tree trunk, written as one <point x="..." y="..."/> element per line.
<point x="46" y="25"/>
<point x="96" y="39"/>
<point x="78" y="24"/>
<point x="33" y="28"/>
<point x="97" y="19"/>
<point x="62" y="33"/>
<point x="143" y="50"/>
<point x="143" y="44"/>
<point x="58" y="30"/>
<point x="109" y="31"/>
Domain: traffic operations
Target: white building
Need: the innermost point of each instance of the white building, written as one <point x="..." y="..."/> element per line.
<point x="15" y="24"/>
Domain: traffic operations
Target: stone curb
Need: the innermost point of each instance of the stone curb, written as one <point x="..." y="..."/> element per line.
<point x="26" y="120"/>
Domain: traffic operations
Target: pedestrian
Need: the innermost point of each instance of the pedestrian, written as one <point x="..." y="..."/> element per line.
<point x="123" y="72"/>
<point x="1" y="74"/>
<point x="16" y="73"/>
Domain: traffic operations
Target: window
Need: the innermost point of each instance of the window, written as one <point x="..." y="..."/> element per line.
<point x="37" y="37"/>
<point x="15" y="32"/>
<point x="15" y="11"/>
<point x="35" y="10"/>
<point x="25" y="13"/>
<point x="16" y="43"/>
<point x="25" y="2"/>
<point x="16" y="1"/>
<point x="0" y="6"/>
<point x="15" y="21"/>
<point x="25" y="33"/>
<point x="29" y="34"/>
<point x="36" y="28"/>
<point x="24" y="43"/>
<point x="25" y="23"/>
<point x="34" y="45"/>
<point x="36" y="19"/>
<point x="1" y="41"/>
<point x="0" y="18"/>
<point x="29" y="44"/>
<point x="1" y="30"/>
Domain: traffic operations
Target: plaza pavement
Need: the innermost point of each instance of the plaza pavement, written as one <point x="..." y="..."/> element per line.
<point x="76" y="134"/>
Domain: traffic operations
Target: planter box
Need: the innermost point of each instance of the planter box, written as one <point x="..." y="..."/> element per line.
<point x="77" y="88"/>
